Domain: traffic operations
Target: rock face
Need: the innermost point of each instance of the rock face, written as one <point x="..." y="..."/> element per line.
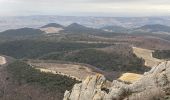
<point x="154" y="84"/>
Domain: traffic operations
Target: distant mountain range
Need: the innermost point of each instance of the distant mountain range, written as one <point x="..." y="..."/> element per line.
<point x="154" y="28"/>
<point x="76" y="28"/>
<point x="95" y="22"/>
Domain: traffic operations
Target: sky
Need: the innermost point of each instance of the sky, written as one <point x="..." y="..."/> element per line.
<point x="116" y="8"/>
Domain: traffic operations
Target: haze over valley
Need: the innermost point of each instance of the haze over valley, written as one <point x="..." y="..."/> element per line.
<point x="84" y="50"/>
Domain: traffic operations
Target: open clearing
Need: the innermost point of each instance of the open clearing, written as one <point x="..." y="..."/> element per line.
<point x="77" y="71"/>
<point x="146" y="54"/>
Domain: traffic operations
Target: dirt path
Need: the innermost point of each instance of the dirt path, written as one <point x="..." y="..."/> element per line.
<point x="59" y="73"/>
<point x="146" y="54"/>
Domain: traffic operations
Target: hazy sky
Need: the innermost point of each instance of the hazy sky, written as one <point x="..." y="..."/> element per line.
<point x="85" y="7"/>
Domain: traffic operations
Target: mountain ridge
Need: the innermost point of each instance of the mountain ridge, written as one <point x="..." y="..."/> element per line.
<point x="52" y="25"/>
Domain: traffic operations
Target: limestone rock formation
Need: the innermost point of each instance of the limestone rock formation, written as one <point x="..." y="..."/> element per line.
<point x="154" y="85"/>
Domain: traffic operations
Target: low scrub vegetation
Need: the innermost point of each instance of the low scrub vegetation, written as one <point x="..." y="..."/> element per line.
<point x="22" y="73"/>
<point x="102" y="60"/>
<point x="35" y="49"/>
<point x="162" y="54"/>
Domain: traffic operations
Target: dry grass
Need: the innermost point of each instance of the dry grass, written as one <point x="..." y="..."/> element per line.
<point x="147" y="56"/>
<point x="2" y="60"/>
<point x="130" y="77"/>
<point x="77" y="71"/>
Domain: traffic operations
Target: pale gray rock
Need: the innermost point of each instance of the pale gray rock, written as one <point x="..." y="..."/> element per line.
<point x="153" y="84"/>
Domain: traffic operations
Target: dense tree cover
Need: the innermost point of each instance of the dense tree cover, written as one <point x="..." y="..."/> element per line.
<point x="25" y="74"/>
<point x="35" y="49"/>
<point x="53" y="25"/>
<point x="21" y="32"/>
<point x="103" y="60"/>
<point x="80" y="29"/>
<point x="162" y="54"/>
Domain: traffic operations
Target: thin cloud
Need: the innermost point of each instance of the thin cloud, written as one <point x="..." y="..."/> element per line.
<point x="78" y="7"/>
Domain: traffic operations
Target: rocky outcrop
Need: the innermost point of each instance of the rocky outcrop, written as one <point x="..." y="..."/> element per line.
<point x="153" y="85"/>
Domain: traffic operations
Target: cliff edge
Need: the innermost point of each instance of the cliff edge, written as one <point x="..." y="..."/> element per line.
<point x="153" y="85"/>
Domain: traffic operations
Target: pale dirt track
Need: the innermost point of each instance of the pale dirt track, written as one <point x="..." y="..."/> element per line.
<point x="146" y="54"/>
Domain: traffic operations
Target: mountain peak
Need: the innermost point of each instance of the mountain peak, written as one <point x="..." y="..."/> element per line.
<point x="52" y="25"/>
<point x="22" y="31"/>
<point x="76" y="25"/>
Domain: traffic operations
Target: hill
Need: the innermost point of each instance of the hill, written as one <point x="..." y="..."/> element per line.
<point x="24" y="76"/>
<point x="22" y="32"/>
<point x="154" y="28"/>
<point x="52" y="25"/>
<point x="37" y="48"/>
<point x="107" y="61"/>
<point x="80" y="29"/>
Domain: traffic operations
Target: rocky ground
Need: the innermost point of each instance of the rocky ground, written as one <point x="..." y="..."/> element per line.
<point x="154" y="85"/>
